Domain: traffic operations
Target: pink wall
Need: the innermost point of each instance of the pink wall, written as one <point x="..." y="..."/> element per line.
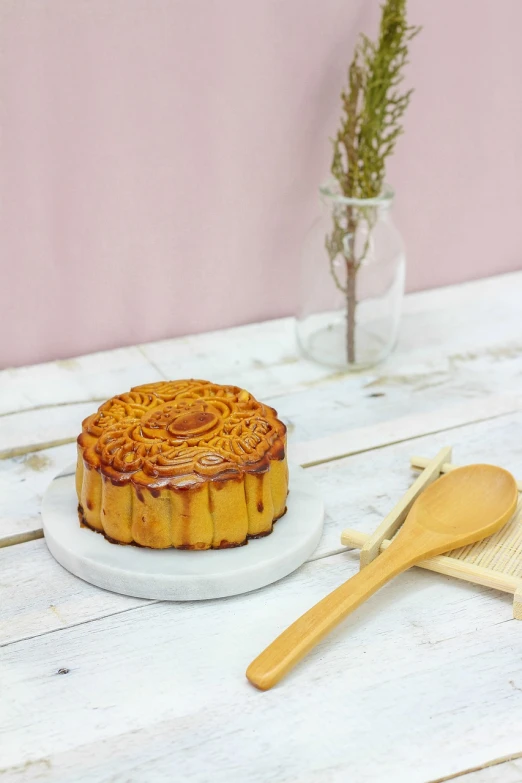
<point x="159" y="159"/>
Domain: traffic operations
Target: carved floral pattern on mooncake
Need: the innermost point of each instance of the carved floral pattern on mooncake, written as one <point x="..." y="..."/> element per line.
<point x="176" y="428"/>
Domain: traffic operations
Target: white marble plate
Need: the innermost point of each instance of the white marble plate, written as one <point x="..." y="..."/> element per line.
<point x="178" y="575"/>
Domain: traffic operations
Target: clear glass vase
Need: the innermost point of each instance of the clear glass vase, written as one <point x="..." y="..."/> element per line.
<point x="352" y="282"/>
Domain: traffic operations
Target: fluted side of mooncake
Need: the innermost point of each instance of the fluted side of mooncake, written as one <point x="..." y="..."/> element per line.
<point x="185" y="464"/>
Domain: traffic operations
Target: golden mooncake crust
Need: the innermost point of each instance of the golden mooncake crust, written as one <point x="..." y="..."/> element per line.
<point x="185" y="464"/>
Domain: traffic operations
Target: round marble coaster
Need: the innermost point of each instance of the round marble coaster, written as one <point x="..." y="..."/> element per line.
<point x="178" y="575"/>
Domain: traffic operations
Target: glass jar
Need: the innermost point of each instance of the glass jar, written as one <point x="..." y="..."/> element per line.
<point x="351" y="283"/>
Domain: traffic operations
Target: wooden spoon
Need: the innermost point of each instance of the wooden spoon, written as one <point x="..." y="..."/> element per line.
<point x="460" y="508"/>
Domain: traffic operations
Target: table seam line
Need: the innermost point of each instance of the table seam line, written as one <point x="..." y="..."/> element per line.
<point x="492" y="763"/>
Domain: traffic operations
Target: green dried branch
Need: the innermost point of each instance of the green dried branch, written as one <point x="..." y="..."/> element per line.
<point x="373" y="105"/>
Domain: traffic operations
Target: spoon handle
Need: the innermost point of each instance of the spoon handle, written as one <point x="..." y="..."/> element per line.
<point x="300" y="637"/>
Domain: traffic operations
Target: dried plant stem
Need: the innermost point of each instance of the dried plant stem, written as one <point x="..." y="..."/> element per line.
<point x="351" y="280"/>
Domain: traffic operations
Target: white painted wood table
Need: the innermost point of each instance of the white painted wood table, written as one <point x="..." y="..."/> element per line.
<point x="424" y="683"/>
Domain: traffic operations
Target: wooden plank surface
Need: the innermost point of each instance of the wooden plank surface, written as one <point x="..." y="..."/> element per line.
<point x="505" y="772"/>
<point x="23" y="481"/>
<point x="360" y="400"/>
<point x="172" y="676"/>
<point x="90" y="377"/>
<point x="31" y="606"/>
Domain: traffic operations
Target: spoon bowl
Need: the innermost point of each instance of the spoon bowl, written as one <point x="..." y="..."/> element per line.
<point x="464" y="506"/>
